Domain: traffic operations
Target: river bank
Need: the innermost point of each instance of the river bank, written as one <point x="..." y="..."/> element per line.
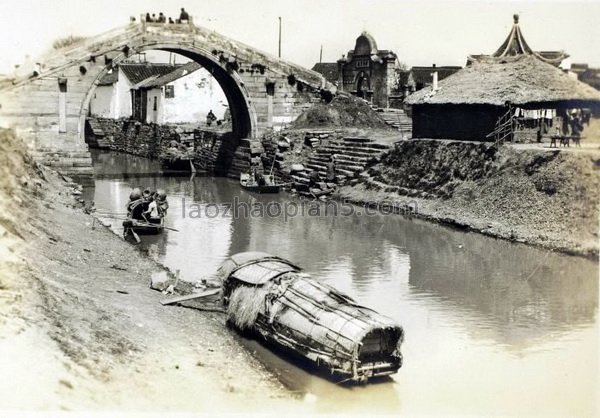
<point x="80" y="327"/>
<point x="547" y="198"/>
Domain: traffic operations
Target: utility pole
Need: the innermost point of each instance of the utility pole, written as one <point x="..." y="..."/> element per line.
<point x="321" y="55"/>
<point x="279" y="36"/>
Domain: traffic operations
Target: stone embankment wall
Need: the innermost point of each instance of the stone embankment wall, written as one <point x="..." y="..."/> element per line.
<point x="132" y="137"/>
<point x="217" y="153"/>
<point x="544" y="197"/>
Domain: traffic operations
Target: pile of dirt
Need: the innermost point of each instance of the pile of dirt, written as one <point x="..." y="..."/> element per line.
<point x="548" y="198"/>
<point x="343" y="111"/>
<point x="21" y="180"/>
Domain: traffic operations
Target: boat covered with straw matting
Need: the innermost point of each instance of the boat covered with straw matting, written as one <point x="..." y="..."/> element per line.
<point x="273" y="298"/>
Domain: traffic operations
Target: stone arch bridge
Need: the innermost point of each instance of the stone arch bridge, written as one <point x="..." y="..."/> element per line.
<point x="47" y="103"/>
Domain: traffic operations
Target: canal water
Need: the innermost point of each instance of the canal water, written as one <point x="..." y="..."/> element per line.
<point x="492" y="327"/>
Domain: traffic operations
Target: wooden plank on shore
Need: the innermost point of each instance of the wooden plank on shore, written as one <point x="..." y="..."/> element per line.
<point x="204" y="294"/>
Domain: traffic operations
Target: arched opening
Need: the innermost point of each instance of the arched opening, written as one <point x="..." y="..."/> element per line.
<point x="144" y="106"/>
<point x="242" y="120"/>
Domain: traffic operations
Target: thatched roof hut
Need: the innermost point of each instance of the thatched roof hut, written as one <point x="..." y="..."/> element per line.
<point x="468" y="104"/>
<point x="522" y="80"/>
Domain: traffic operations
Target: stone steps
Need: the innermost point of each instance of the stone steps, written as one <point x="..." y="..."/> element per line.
<point x="372" y="184"/>
<point x="358" y="145"/>
<point x="352" y="155"/>
<point x="338" y="164"/>
<point x="322" y="169"/>
<point x="65" y="154"/>
<point x="397" y="119"/>
<point x="357" y="139"/>
<point x="340" y="160"/>
<point x="327" y="151"/>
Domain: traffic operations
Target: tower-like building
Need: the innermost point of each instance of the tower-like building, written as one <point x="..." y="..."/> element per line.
<point x="365" y="71"/>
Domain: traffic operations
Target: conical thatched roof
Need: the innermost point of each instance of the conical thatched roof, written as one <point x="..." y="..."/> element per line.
<point x="522" y="79"/>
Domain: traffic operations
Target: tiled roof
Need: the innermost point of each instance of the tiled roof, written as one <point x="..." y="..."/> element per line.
<point x="423" y="75"/>
<point x="328" y="69"/>
<point x="137" y="73"/>
<point x="179" y="72"/>
<point x="591" y="76"/>
<point x="579" y="67"/>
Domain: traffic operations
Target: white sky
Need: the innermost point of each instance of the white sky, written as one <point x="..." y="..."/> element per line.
<point x="420" y="32"/>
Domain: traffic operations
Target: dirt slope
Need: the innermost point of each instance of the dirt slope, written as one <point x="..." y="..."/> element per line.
<point x="81" y="330"/>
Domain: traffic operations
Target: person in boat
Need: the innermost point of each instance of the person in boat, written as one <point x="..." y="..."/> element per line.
<point x="152" y="215"/>
<point x="135" y="207"/>
<point x="160" y="197"/>
<point x="146" y="198"/>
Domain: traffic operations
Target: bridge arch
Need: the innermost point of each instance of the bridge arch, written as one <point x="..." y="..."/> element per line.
<point x="47" y="105"/>
<point x="243" y="114"/>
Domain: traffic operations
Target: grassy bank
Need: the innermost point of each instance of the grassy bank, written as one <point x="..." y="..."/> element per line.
<point x="546" y="198"/>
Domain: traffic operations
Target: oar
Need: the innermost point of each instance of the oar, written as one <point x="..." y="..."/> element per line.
<point x="136" y="237"/>
<point x="156" y="226"/>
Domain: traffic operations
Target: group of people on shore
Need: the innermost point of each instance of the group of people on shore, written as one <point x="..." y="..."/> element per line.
<point x="184" y="17"/>
<point x="571" y="129"/>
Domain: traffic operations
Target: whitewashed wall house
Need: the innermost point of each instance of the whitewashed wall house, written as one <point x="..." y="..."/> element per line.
<point x="159" y="93"/>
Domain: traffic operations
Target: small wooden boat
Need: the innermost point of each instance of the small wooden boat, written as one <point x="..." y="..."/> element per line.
<point x="142" y="227"/>
<point x="248" y="183"/>
<point x="139" y="220"/>
<point x="270" y="297"/>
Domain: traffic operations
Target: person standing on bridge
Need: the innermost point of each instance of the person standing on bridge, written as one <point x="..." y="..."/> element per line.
<point x="184" y="16"/>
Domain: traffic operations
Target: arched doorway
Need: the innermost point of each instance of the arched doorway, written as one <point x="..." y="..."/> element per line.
<point x="363" y="86"/>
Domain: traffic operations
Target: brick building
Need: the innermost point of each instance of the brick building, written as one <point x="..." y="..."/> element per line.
<point x="365" y="71"/>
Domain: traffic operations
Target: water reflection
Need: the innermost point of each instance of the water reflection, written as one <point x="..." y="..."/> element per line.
<point x="477" y="311"/>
